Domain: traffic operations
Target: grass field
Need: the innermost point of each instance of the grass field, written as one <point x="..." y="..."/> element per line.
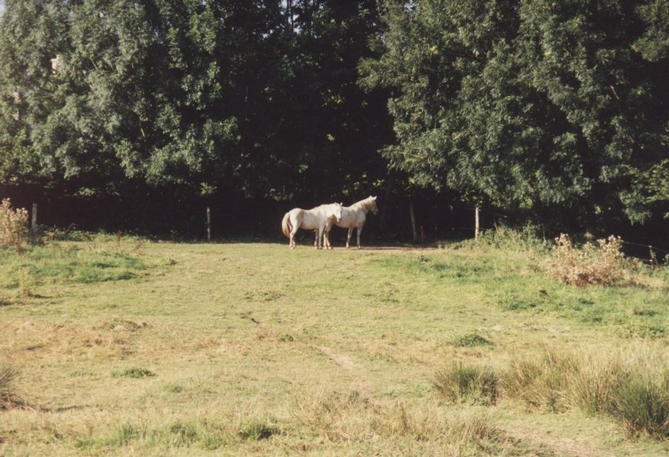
<point x="158" y="348"/>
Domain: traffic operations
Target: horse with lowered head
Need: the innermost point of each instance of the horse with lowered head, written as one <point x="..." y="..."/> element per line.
<point x="310" y="219"/>
<point x="354" y="217"/>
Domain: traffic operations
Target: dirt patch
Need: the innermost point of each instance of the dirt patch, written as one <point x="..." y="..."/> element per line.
<point x="562" y="445"/>
<point x="400" y="248"/>
<point x="340" y="359"/>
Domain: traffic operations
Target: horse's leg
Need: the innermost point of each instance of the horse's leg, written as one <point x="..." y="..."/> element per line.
<point x="316" y="238"/>
<point x="358" y="233"/>
<point x="292" y="237"/>
<point x="320" y="237"/>
<point x="326" y="238"/>
<point x="326" y="235"/>
<point x="348" y="236"/>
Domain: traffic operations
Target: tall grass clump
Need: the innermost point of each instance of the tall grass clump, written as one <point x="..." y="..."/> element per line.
<point x="541" y="382"/>
<point x="7" y="397"/>
<point x="460" y="383"/>
<point x="602" y="263"/>
<point x="13" y="225"/>
<point x="632" y="388"/>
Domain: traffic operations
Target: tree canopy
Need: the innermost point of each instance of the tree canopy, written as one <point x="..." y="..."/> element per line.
<point x="531" y="103"/>
<point x="518" y="104"/>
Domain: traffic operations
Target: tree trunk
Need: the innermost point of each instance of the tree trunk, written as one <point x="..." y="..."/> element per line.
<point x="412" y="215"/>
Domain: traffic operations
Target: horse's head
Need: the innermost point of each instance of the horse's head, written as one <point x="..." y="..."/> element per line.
<point x="372" y="205"/>
<point x="338" y="209"/>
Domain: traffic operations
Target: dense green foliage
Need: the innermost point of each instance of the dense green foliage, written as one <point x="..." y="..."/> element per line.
<point x="518" y="104"/>
<point x="531" y="103"/>
<point x="259" y="97"/>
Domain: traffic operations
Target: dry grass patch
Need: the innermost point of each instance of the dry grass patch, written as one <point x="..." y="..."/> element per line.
<point x="32" y="341"/>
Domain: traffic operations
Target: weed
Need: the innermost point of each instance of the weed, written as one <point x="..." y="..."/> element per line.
<point x="182" y="434"/>
<point x="513" y="302"/>
<point x="13" y="225"/>
<point x="174" y="388"/>
<point x="133" y="373"/>
<point x="467" y="383"/>
<point x="256" y="431"/>
<point x="124" y="435"/>
<point x="472" y="340"/>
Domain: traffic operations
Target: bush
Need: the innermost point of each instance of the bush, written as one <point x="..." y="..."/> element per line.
<point x="13" y="225"/>
<point x="603" y="263"/>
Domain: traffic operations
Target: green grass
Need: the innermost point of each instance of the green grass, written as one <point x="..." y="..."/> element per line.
<point x="68" y="262"/>
<point x="133" y="373"/>
<point x="260" y="350"/>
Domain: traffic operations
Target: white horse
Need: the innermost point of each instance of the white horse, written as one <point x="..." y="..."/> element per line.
<point x="353" y="216"/>
<point x="311" y="219"/>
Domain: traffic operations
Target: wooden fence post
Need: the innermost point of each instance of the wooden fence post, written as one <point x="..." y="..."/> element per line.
<point x="33" y="219"/>
<point x="476" y="223"/>
<point x="208" y="224"/>
<point x="412" y="215"/>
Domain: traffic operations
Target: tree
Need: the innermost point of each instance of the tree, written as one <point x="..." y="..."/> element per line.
<point x="528" y="104"/>
<point x="29" y="39"/>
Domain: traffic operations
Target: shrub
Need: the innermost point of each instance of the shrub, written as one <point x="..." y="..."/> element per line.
<point x="13" y="225"/>
<point x="603" y="263"/>
<point x="468" y="383"/>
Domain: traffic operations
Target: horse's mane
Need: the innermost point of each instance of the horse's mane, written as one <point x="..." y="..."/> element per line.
<point x="364" y="203"/>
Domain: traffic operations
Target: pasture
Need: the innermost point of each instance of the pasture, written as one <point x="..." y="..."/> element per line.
<point x="135" y="347"/>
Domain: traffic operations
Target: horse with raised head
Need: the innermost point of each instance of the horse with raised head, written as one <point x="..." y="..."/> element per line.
<point x="354" y="217"/>
<point x="315" y="219"/>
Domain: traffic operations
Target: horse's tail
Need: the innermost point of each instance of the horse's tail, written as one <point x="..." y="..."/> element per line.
<point x="285" y="224"/>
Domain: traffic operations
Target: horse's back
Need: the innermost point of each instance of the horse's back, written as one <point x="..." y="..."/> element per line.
<point x="313" y="218"/>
